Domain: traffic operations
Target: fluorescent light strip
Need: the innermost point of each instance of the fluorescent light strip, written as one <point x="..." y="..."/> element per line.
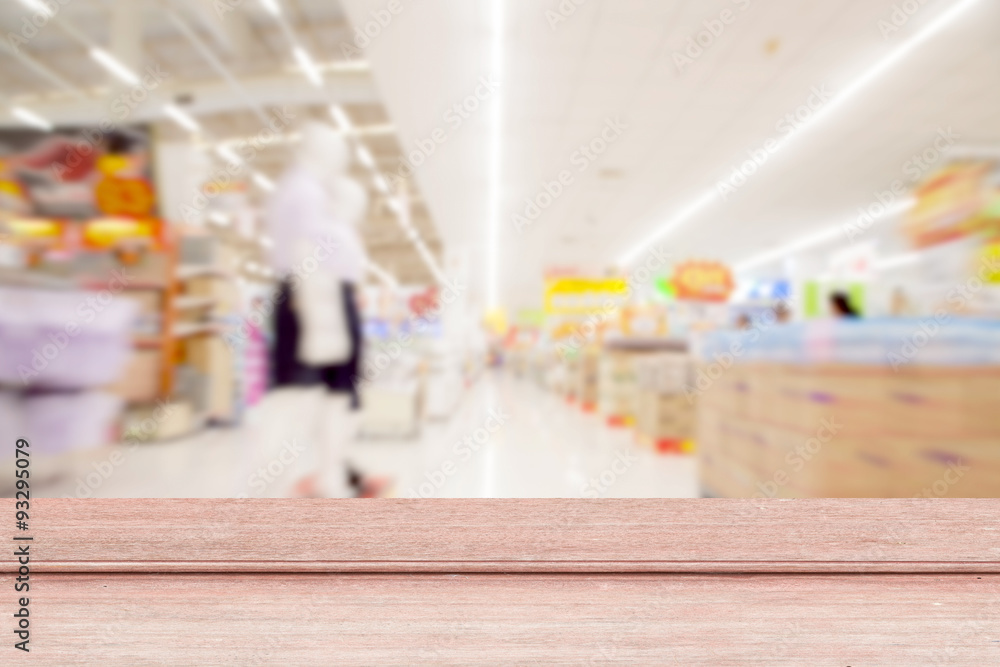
<point x="430" y="262"/>
<point x="820" y="237"/>
<point x="308" y="66"/>
<point x="336" y="66"/>
<point x="882" y="66"/>
<point x="395" y="206"/>
<point x="272" y="7"/>
<point x="295" y="137"/>
<point x="31" y="118"/>
<point x="365" y="157"/>
<point x="181" y="118"/>
<point x="38" y="6"/>
<point x="413" y="236"/>
<point x="263" y="181"/>
<point x="343" y="120"/>
<point x="897" y="261"/>
<point x="227" y="153"/>
<point x="493" y="249"/>
<point x="679" y="218"/>
<point x="112" y="64"/>
<point x="383" y="275"/>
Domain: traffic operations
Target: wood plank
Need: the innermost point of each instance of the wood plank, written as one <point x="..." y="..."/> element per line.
<point x="324" y="619"/>
<point x="515" y="535"/>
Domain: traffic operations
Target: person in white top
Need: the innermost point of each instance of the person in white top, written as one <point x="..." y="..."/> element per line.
<point x="313" y="217"/>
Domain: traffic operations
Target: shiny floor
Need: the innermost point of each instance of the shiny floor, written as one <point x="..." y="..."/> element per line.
<point x="507" y="438"/>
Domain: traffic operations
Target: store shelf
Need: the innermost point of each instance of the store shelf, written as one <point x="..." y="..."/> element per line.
<point x="194" y="302"/>
<point x="189" y="271"/>
<point x="188" y="329"/>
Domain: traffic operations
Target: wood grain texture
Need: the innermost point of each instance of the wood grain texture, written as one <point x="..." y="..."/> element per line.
<point x="724" y="536"/>
<point x="663" y="582"/>
<point x="710" y="620"/>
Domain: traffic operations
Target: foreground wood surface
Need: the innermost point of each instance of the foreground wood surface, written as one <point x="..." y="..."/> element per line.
<point x="498" y="582"/>
<point x="200" y="535"/>
<point x="535" y="619"/>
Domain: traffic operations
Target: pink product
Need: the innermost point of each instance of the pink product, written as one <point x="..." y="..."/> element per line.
<point x="256" y="369"/>
<point x="63" y="339"/>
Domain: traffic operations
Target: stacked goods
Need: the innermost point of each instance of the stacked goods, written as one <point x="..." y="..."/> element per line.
<point x="571" y="387"/>
<point x="928" y="427"/>
<point x="619" y="398"/>
<point x="665" y="406"/>
<point x="540" y="362"/>
<point x="587" y="379"/>
<point x="516" y="361"/>
<point x="616" y="387"/>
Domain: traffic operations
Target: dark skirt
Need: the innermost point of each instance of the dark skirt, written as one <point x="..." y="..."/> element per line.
<point x="290" y="372"/>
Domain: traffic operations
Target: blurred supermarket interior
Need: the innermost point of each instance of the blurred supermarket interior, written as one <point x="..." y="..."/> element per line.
<point x="500" y="248"/>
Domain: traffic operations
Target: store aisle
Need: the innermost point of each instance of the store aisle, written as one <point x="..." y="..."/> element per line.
<point x="507" y="438"/>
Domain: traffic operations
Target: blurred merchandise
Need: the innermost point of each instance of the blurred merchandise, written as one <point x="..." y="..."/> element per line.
<point x="264" y="263"/>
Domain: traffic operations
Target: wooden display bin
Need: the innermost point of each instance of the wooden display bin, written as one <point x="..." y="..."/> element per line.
<point x="851" y="431"/>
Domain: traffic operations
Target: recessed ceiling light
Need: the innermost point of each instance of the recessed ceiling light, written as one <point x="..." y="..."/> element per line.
<point x="31" y="118"/>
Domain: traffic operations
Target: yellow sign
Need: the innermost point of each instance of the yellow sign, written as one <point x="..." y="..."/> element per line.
<point x="990" y="258"/>
<point x="573" y="296"/>
<point x="109" y="232"/>
<point x="35" y="229"/>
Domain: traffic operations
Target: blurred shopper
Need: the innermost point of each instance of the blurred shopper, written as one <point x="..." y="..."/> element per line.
<point x="319" y="254"/>
<point x="781" y="313"/>
<point x="840" y="304"/>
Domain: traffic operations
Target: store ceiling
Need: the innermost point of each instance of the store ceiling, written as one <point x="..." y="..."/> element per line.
<point x="686" y="129"/>
<point x="52" y="75"/>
